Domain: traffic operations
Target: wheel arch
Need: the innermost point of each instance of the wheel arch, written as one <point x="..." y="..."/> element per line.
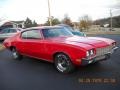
<point x="71" y="65"/>
<point x="11" y="48"/>
<point x="56" y="53"/>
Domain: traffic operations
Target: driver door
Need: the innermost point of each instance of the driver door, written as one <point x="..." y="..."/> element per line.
<point x="32" y="43"/>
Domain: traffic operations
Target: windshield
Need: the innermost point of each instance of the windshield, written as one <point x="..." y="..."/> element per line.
<point x="56" y="32"/>
<point x="73" y="31"/>
<point x="69" y="28"/>
<point x="78" y="33"/>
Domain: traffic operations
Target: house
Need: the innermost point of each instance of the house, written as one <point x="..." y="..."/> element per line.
<point x="12" y="24"/>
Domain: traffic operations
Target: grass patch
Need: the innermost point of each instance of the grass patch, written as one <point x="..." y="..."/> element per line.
<point x="1" y="47"/>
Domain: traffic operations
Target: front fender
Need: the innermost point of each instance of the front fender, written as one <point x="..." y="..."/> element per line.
<point x="75" y="53"/>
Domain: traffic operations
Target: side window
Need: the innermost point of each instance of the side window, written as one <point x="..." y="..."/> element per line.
<point x="5" y="31"/>
<point x="12" y="31"/>
<point x="24" y="35"/>
<point x="31" y="34"/>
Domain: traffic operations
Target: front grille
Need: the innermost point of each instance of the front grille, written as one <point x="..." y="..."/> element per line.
<point x="103" y="50"/>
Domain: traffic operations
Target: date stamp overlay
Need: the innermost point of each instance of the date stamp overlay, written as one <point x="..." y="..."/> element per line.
<point x="98" y="80"/>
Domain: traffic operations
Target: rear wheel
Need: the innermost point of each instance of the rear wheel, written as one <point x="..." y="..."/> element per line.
<point x="63" y="63"/>
<point x="16" y="55"/>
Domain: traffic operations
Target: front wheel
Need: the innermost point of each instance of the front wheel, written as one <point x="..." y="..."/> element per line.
<point x="16" y="54"/>
<point x="63" y="63"/>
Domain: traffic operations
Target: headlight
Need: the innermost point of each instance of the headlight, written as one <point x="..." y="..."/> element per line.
<point x="114" y="44"/>
<point x="87" y="54"/>
<point x="90" y="52"/>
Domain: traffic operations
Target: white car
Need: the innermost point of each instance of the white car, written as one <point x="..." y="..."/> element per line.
<point x="8" y="32"/>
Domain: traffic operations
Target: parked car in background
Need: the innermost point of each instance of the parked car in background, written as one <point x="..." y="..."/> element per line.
<point x="74" y="31"/>
<point x="8" y="32"/>
<point x="58" y="45"/>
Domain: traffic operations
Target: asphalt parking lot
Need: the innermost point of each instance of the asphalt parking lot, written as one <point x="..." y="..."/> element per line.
<point x="32" y="74"/>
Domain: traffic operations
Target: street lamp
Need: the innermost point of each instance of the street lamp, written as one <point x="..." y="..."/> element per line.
<point x="49" y="18"/>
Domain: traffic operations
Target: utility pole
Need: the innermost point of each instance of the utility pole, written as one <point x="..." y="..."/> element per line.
<point x="110" y="20"/>
<point x="49" y="18"/>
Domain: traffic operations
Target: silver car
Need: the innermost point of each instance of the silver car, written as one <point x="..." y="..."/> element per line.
<point x="8" y="32"/>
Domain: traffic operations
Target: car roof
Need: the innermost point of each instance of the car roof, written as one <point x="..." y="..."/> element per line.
<point x="42" y="27"/>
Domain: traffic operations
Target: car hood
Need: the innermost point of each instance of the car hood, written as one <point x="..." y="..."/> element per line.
<point x="95" y="42"/>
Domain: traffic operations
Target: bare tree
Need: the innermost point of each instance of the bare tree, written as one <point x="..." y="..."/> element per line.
<point x="85" y="22"/>
<point x="67" y="20"/>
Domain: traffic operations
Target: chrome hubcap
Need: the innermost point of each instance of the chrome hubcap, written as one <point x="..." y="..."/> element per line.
<point x="15" y="55"/>
<point x="62" y="64"/>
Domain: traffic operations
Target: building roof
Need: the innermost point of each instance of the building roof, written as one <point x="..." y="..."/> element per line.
<point x="18" y="22"/>
<point x="11" y="23"/>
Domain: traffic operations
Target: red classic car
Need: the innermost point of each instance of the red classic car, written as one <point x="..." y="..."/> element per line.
<point x="59" y="46"/>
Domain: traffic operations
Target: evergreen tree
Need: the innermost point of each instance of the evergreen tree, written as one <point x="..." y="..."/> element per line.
<point x="34" y="24"/>
<point x="28" y="23"/>
<point x="55" y="21"/>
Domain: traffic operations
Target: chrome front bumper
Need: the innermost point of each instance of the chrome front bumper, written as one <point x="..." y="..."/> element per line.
<point x="114" y="49"/>
<point x="86" y="61"/>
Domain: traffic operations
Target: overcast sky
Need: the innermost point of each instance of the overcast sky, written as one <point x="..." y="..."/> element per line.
<point x="38" y="9"/>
